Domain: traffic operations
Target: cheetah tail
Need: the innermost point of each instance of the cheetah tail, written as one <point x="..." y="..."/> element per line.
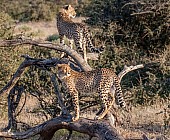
<point x="119" y="94"/>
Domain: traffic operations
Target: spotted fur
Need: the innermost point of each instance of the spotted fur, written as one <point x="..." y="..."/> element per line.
<point x="102" y="81"/>
<point x="76" y="32"/>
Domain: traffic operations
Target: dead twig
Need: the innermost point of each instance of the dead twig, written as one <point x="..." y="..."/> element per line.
<point x="142" y="13"/>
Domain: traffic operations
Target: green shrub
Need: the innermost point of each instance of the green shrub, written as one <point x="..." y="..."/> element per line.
<point x="134" y="32"/>
<point x="52" y="37"/>
<point x="6" y="25"/>
<point x="143" y="23"/>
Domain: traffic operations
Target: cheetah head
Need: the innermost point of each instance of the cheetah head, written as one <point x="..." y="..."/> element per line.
<point x="70" y="11"/>
<point x="64" y="71"/>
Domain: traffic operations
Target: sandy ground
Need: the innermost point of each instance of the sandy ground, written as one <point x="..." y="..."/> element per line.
<point x="40" y="30"/>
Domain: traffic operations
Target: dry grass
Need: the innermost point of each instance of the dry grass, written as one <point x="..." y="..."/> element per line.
<point x="149" y="120"/>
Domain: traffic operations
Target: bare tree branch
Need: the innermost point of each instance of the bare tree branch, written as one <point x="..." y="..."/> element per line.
<point x="11" y="111"/>
<point x="64" y="48"/>
<point x="15" y="77"/>
<point x="10" y="85"/>
<point x="60" y="99"/>
<point x="13" y="100"/>
<point x="93" y="128"/>
<point x="128" y="69"/>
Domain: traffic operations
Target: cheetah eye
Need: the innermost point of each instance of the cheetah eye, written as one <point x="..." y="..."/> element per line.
<point x="68" y="73"/>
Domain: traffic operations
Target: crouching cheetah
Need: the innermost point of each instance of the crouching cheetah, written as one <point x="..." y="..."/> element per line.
<point x="102" y="81"/>
<point x="76" y="32"/>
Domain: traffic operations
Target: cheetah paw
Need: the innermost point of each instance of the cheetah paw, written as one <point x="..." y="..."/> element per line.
<point x="75" y="119"/>
<point x="96" y="117"/>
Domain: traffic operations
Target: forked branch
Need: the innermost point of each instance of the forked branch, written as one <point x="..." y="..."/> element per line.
<point x="26" y="63"/>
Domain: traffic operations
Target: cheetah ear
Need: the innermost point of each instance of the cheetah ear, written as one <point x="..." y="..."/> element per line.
<point x="67" y="7"/>
<point x="59" y="65"/>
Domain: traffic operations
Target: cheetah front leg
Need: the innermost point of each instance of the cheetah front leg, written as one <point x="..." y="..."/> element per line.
<point x="84" y="50"/>
<point x="61" y="39"/>
<point x="107" y="100"/>
<point x="61" y="43"/>
<point x="80" y="45"/>
<point x="71" y="43"/>
<point x="75" y="101"/>
<point x="71" y="46"/>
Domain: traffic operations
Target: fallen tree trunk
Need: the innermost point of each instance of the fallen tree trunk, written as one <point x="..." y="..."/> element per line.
<point x="47" y="129"/>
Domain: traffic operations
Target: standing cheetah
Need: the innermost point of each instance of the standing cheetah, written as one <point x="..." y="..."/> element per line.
<point x="102" y="81"/>
<point x="76" y="32"/>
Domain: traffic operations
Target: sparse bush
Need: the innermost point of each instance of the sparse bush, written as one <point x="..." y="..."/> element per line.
<point x="52" y="37"/>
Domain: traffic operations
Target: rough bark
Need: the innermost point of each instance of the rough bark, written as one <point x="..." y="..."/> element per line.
<point x="13" y="101"/>
<point x="46" y="130"/>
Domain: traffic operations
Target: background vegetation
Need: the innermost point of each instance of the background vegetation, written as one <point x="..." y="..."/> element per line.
<point x="29" y="10"/>
<point x="134" y="32"/>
